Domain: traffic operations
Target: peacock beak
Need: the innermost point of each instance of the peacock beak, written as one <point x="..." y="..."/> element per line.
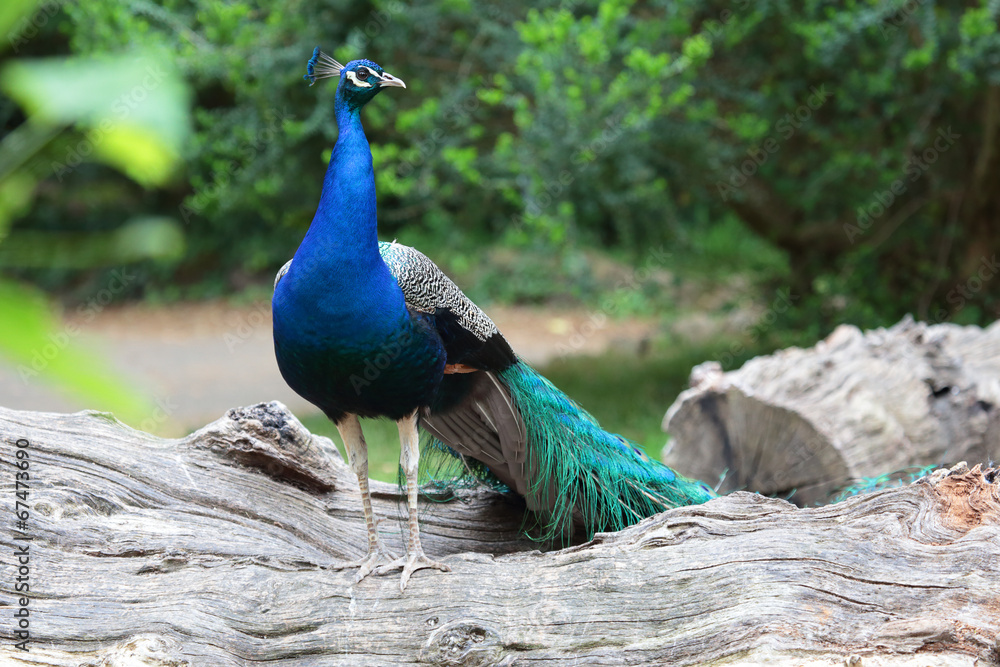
<point x="389" y="80"/>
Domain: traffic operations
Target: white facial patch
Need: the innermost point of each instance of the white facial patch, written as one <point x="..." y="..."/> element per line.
<point x="354" y="79"/>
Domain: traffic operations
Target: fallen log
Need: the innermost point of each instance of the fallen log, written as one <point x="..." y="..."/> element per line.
<point x="217" y="549"/>
<point x="806" y="423"/>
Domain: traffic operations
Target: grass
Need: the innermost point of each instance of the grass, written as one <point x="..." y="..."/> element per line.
<point x="628" y="394"/>
<point x="380" y="434"/>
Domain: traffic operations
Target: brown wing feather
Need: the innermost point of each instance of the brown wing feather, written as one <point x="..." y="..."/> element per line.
<point x="486" y="426"/>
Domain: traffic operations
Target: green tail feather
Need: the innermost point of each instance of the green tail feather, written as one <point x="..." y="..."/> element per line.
<point x="577" y="468"/>
<point x="886" y="481"/>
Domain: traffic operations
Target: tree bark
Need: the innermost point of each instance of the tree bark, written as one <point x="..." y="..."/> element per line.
<point x="805" y="424"/>
<point x="218" y="549"/>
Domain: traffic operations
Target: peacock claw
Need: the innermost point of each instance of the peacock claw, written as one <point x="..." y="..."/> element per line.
<point x="410" y="564"/>
<point x="372" y="562"/>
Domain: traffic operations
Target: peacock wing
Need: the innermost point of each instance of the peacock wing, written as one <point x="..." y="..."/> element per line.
<point x="486" y="426"/>
<point x="474" y="413"/>
<point x="470" y="337"/>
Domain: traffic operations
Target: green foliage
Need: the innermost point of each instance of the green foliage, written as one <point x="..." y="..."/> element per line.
<point x="136" y="240"/>
<point x="600" y="122"/>
<point x="14" y="11"/>
<point x="126" y="113"/>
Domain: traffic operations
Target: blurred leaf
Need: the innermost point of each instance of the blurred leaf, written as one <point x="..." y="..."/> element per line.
<point x="135" y="106"/>
<point x="15" y="197"/>
<point x="159" y="238"/>
<point x="135" y="114"/>
<point x="12" y="11"/>
<point x="41" y="348"/>
<point x="136" y="151"/>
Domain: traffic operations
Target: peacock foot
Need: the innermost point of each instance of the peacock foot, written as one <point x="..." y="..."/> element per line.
<point x="377" y="558"/>
<point x="410" y="563"/>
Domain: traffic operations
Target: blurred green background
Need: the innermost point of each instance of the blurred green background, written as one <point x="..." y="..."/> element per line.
<point x="845" y="154"/>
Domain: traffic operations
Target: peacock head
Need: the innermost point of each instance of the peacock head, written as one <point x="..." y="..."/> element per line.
<point x="360" y="80"/>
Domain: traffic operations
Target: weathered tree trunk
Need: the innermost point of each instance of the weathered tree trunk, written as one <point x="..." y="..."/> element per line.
<point x="811" y="422"/>
<point x="217" y="549"/>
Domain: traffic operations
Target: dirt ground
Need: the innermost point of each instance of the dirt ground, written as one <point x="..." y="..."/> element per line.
<point x="199" y="359"/>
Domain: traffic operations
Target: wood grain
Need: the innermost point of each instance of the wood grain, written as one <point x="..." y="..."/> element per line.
<point x="216" y="549"/>
<point x="805" y="423"/>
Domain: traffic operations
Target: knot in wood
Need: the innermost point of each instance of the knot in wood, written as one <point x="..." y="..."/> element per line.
<point x="464" y="644"/>
<point x="146" y="649"/>
<point x="968" y="498"/>
<point x="269" y="420"/>
<point x="266" y="436"/>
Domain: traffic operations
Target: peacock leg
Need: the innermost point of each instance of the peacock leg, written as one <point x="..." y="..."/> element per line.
<point x="357" y="456"/>
<point x="409" y="458"/>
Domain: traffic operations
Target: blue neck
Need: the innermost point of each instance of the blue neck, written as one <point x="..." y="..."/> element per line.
<point x="338" y="267"/>
<point x="345" y="222"/>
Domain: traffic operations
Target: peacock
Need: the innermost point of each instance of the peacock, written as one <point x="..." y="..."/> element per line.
<point x="364" y="328"/>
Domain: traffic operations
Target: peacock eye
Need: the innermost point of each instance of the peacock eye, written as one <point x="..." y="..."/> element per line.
<point x="362" y="73"/>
